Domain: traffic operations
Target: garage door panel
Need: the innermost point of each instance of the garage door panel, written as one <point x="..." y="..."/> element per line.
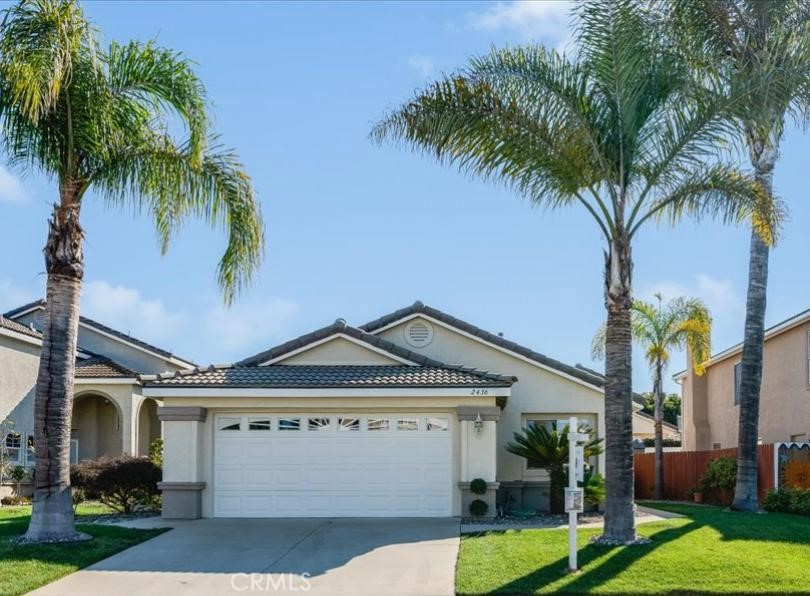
<point x="332" y="473"/>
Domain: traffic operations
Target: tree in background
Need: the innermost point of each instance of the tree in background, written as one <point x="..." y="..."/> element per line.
<point x="659" y="328"/>
<point x="622" y="131"/>
<point x="762" y="46"/>
<point x="672" y="406"/>
<point x="93" y="118"/>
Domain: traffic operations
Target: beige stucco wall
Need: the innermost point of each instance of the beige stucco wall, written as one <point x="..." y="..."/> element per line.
<point x="538" y="392"/>
<point x="784" y="398"/>
<point x="339" y="351"/>
<point x="644" y="428"/>
<point x="19" y="362"/>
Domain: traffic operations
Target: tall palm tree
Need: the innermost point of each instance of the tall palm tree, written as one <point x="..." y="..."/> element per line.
<point x="660" y="328"/>
<point x="93" y="118"/>
<point x="763" y="45"/>
<point x="621" y="131"/>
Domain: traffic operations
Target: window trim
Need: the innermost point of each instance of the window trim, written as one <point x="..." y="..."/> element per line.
<point x="22" y="441"/>
<point x="737" y="378"/>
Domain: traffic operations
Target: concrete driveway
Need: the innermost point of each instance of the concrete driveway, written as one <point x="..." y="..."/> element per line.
<point x="278" y="556"/>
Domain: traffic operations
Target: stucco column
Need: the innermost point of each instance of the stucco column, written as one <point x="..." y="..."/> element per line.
<point x="478" y="454"/>
<point x="182" y="461"/>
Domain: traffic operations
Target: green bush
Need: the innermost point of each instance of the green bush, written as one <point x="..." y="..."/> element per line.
<point x="15" y="501"/>
<point x="478" y="508"/>
<point x="156" y="452"/>
<point x="478" y="486"/>
<point x="720" y="474"/>
<point x="650" y="442"/>
<point x="788" y="500"/>
<point x="124" y="483"/>
<point x="593" y="487"/>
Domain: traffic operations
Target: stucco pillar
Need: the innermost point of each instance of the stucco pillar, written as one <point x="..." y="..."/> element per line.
<point x="696" y="430"/>
<point x="478" y="454"/>
<point x="182" y="461"/>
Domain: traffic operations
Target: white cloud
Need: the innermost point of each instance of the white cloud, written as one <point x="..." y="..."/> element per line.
<point x="124" y="309"/>
<point x="423" y="65"/>
<point x="718" y="294"/>
<point x="11" y="190"/>
<point x="233" y="332"/>
<point x="548" y="19"/>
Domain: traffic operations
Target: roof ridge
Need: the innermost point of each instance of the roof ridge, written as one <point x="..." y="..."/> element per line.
<point x="101" y="327"/>
<point x="340" y="326"/>
<point x="420" y="307"/>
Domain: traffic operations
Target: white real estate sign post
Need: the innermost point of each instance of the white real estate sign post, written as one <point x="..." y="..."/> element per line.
<point x="573" y="494"/>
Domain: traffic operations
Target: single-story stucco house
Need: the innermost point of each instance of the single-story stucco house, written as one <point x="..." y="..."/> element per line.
<point x="111" y="415"/>
<point x="392" y="418"/>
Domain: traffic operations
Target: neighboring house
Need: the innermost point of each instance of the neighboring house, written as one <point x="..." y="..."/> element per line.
<point x="110" y="414"/>
<point x="644" y="427"/>
<point x="393" y="418"/>
<point x="711" y="401"/>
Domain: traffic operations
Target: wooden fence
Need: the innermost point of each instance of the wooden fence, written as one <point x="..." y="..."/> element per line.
<point x="683" y="469"/>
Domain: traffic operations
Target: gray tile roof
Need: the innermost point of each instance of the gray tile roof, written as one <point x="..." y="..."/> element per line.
<point x="103" y="328"/>
<point x="102" y="367"/>
<point x="419" y="307"/>
<point x="19" y="328"/>
<point x="330" y="376"/>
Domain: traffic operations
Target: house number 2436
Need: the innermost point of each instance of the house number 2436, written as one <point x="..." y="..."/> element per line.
<point x="479" y="392"/>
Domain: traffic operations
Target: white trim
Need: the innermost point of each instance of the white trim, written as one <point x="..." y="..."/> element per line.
<point x="20" y="336"/>
<point x="105" y="381"/>
<point x="487" y="343"/>
<point x="333" y="337"/>
<point x="337" y="392"/>
<point x="171" y="359"/>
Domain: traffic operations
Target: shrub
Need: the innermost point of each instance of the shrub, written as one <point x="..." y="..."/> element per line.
<point x="788" y="500"/>
<point x="124" y="483"/>
<point x="15" y="501"/>
<point x="650" y="442"/>
<point x="593" y="487"/>
<point x="720" y="474"/>
<point x="156" y="452"/>
<point x="478" y="486"/>
<point x="478" y="508"/>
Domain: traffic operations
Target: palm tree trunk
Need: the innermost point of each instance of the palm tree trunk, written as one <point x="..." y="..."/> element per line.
<point x="619" y="510"/>
<point x="763" y="157"/>
<point x="659" y="431"/>
<point x="52" y="515"/>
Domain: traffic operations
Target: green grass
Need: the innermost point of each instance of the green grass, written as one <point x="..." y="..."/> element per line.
<point x="23" y="568"/>
<point x="710" y="550"/>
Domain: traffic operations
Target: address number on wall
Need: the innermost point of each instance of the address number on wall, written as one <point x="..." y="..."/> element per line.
<point x="479" y="392"/>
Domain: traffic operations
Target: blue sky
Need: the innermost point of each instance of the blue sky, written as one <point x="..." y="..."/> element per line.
<point x="355" y="230"/>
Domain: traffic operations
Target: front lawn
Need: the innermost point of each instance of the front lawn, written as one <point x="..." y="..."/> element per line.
<point x="23" y="568"/>
<point x="710" y="550"/>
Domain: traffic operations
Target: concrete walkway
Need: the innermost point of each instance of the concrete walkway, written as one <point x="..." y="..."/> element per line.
<point x="643" y="515"/>
<point x="315" y="556"/>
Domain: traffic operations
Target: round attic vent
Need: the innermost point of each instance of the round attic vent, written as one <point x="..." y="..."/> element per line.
<point x="419" y="333"/>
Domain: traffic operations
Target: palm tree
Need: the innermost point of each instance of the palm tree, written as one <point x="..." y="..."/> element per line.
<point x="93" y="118"/>
<point x="544" y="448"/>
<point x="763" y="45"/>
<point x="621" y="131"/>
<point x="660" y="328"/>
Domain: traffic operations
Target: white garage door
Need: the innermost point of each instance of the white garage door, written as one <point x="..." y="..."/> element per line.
<point x="330" y="465"/>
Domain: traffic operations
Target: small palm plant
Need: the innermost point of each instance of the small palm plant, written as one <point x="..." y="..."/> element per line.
<point x="544" y="448"/>
<point x="660" y="328"/>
